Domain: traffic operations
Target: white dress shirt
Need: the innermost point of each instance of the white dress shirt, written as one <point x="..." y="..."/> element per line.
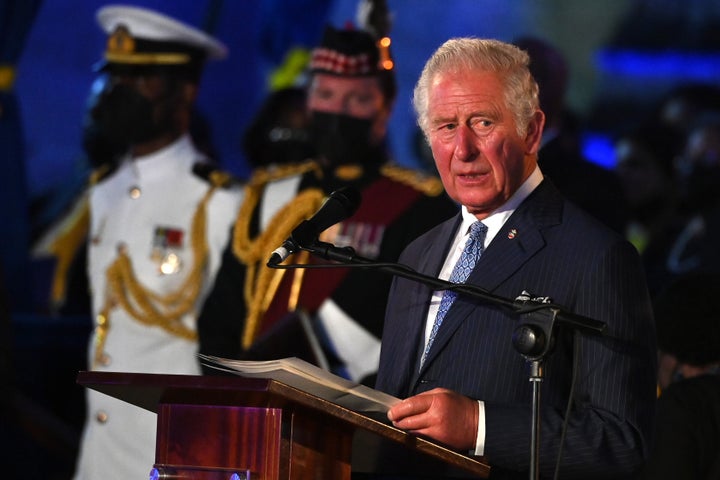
<point x="494" y="223"/>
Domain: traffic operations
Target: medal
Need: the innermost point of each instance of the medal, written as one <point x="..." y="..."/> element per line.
<point x="167" y="243"/>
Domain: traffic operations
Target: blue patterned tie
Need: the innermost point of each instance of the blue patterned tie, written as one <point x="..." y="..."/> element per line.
<point x="461" y="271"/>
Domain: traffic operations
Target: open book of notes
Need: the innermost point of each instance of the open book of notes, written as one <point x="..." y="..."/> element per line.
<point x="304" y="376"/>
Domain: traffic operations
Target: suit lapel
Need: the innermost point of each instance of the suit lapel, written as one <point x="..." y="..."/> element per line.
<point x="517" y="242"/>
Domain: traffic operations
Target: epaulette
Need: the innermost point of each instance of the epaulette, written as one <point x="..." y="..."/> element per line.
<point x="101" y="173"/>
<point x="264" y="175"/>
<point x="216" y="177"/>
<point x="423" y="182"/>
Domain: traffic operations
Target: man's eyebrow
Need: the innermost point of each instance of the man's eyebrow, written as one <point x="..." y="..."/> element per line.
<point x="440" y="119"/>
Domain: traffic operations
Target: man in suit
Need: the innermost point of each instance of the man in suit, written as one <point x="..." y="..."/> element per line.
<point x="477" y="104"/>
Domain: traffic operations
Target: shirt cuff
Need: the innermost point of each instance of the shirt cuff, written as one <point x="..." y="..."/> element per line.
<point x="480" y="440"/>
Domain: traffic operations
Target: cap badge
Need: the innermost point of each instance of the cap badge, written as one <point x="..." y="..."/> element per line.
<point x="121" y="42"/>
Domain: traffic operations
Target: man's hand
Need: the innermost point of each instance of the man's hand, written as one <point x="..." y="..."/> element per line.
<point x="440" y="414"/>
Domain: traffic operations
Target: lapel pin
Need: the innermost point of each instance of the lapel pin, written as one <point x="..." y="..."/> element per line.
<point x="512" y="233"/>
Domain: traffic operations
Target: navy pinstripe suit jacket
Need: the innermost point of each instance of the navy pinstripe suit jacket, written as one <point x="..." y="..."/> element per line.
<point x="560" y="252"/>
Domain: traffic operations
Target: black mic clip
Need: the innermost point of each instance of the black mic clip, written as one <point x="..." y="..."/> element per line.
<point x="328" y="251"/>
<point x="325" y="250"/>
<point x="533" y="337"/>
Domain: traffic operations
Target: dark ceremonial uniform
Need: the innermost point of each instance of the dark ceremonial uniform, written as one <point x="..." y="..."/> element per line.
<point x="249" y="313"/>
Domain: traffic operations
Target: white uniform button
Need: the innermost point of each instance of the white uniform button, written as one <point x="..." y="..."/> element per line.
<point x="135" y="192"/>
<point x="105" y="360"/>
<point x="101" y="416"/>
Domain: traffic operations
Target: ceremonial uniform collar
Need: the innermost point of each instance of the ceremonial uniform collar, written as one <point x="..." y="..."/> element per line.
<point x="176" y="157"/>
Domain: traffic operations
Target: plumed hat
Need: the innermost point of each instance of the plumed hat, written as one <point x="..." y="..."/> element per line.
<point x="352" y="53"/>
<point x="355" y="53"/>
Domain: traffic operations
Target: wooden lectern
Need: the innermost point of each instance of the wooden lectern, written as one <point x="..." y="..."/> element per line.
<point x="235" y="428"/>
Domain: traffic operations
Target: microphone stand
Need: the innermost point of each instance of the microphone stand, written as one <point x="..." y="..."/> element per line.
<point x="533" y="338"/>
<point x="524" y="304"/>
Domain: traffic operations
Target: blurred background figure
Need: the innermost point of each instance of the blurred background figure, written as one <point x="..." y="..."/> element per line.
<point x="687" y="437"/>
<point x="590" y="186"/>
<point x="62" y="221"/>
<point x="332" y="318"/>
<point x="683" y="105"/>
<point x="279" y="133"/>
<point x="160" y="215"/>
<point x="646" y="157"/>
<point x="16" y="21"/>
<point x="699" y="166"/>
<point x="689" y="242"/>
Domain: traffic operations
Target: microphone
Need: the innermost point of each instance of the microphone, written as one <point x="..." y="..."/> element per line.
<point x="282" y="252"/>
<point x="341" y="204"/>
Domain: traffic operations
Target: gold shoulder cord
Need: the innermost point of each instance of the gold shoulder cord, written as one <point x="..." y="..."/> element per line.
<point x="146" y="306"/>
<point x="428" y="184"/>
<point x="261" y="282"/>
<point x="65" y="248"/>
<point x="68" y="242"/>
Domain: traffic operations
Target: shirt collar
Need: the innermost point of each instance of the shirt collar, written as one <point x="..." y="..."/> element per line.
<point x="497" y="218"/>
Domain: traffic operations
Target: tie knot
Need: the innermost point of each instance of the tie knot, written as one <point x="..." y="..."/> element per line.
<point x="478" y="231"/>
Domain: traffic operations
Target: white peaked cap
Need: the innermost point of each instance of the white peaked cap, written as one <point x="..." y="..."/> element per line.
<point x="150" y="25"/>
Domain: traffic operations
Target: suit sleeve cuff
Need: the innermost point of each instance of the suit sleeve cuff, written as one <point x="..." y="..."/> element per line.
<point x="480" y="440"/>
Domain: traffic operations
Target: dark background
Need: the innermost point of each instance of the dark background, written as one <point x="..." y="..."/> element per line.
<point x="624" y="55"/>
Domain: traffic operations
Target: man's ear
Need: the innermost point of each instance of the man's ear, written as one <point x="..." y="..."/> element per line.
<point x="533" y="135"/>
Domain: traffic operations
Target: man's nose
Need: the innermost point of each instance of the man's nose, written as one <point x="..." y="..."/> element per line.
<point x="343" y="106"/>
<point x="465" y="147"/>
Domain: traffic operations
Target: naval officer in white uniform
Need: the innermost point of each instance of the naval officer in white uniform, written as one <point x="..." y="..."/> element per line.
<point x="158" y="225"/>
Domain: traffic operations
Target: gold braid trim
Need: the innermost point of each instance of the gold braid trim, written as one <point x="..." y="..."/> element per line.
<point x="66" y="244"/>
<point x="261" y="282"/>
<point x="427" y="184"/>
<point x="98" y="174"/>
<point x="218" y="178"/>
<point x="245" y="248"/>
<point x="259" y="277"/>
<point x="7" y="77"/>
<point x="261" y="176"/>
<point x="65" y="247"/>
<point x="147" y="306"/>
<point x="298" y="276"/>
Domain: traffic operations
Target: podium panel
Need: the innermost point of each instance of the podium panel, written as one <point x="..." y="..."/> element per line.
<point x="235" y="428"/>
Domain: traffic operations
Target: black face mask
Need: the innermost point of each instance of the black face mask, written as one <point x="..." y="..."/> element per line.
<point x="342" y="139"/>
<point x="122" y="116"/>
<point x="100" y="149"/>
